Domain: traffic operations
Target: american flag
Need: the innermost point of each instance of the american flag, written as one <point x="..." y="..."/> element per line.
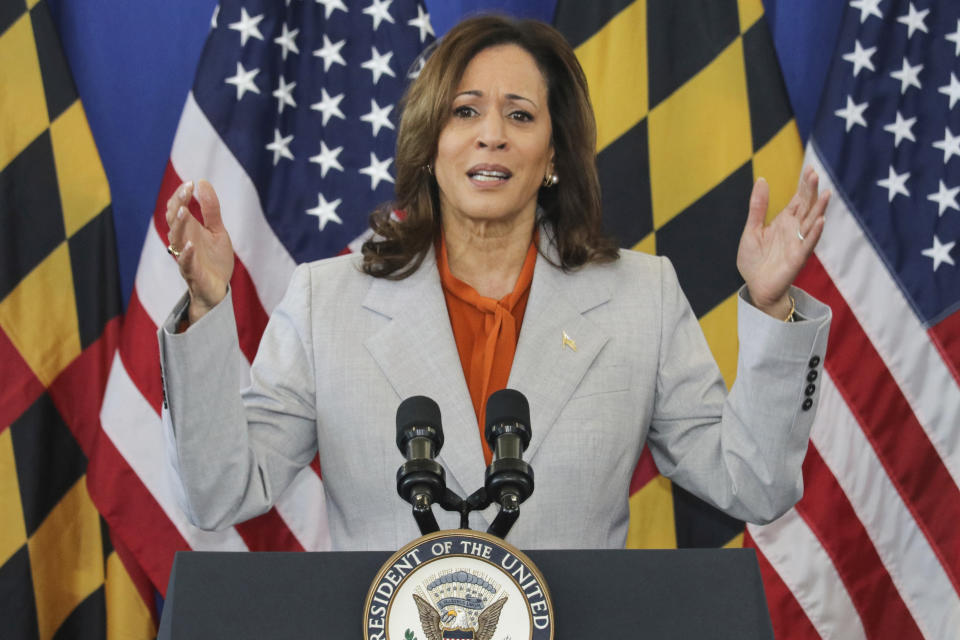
<point x="292" y="117"/>
<point x="873" y="548"/>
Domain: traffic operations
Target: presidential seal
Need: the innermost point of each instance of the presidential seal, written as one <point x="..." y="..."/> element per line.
<point x="459" y="584"/>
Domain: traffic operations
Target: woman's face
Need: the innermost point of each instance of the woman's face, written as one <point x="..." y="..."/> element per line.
<point x="495" y="149"/>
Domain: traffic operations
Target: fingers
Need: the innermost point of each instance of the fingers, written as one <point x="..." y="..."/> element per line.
<point x="182" y="226"/>
<point x="205" y="196"/>
<point x="812" y="237"/>
<point x="815" y="215"/>
<point x="177" y="235"/>
<point x="809" y="207"/>
<point x="209" y="206"/>
<point x="799" y="203"/>
<point x="807" y="192"/>
<point x="759" y="201"/>
<point x="813" y="204"/>
<point x="821" y="207"/>
<point x="180" y="198"/>
<point x="808" y="183"/>
<point x="187" y="256"/>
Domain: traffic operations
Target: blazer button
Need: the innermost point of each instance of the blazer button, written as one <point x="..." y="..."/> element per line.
<point x="807" y="403"/>
<point x="810" y="389"/>
<point x="814" y="361"/>
<point x="812" y="375"/>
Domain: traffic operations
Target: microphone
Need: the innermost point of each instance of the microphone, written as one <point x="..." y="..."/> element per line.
<point x="421" y="480"/>
<point x="509" y="480"/>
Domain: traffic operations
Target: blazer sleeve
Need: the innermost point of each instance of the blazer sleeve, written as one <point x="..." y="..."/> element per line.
<point x="742" y="451"/>
<point x="237" y="441"/>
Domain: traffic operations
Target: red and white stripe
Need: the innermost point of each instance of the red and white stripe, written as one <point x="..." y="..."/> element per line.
<point x="130" y="416"/>
<point x="873" y="548"/>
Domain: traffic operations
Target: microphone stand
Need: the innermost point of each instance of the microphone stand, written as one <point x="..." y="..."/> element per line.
<point x="479" y="500"/>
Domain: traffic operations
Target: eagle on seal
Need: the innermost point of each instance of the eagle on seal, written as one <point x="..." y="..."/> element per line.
<point x="430" y="620"/>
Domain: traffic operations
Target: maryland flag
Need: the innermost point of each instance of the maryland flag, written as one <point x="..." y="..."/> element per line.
<point x="691" y="109"/>
<point x="60" y="574"/>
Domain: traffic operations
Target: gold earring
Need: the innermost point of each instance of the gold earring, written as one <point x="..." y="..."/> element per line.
<point x="550" y="180"/>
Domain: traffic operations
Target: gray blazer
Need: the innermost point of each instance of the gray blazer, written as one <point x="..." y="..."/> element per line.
<point x="343" y="349"/>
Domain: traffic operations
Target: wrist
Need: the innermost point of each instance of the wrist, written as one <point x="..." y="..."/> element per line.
<point x="194" y="312"/>
<point x="199" y="307"/>
<point x="781" y="308"/>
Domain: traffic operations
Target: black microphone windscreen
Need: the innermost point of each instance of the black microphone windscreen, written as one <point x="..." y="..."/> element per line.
<point x="507" y="405"/>
<point x="418" y="411"/>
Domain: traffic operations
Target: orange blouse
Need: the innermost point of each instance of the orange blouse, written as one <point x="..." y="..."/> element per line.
<point x="486" y="331"/>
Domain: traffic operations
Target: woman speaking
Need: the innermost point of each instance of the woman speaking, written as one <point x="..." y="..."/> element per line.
<point x="493" y="272"/>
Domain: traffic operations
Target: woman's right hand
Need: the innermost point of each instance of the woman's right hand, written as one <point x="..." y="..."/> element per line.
<point x="206" y="253"/>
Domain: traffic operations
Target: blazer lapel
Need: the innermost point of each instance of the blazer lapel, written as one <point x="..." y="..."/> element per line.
<point x="557" y="343"/>
<point x="417" y="353"/>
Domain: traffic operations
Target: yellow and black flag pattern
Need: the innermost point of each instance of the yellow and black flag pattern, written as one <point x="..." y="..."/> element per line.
<point x="60" y="574"/>
<point x="691" y="108"/>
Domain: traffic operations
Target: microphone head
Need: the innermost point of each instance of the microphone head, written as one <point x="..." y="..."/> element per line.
<point x="508" y="406"/>
<point x="419" y="416"/>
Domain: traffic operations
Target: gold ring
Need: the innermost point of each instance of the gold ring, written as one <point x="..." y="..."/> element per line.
<point x="172" y="251"/>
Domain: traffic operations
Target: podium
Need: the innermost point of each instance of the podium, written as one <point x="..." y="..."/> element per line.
<point x="685" y="593"/>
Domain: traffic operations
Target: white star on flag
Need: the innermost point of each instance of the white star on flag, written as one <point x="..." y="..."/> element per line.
<point x="287" y="40"/>
<point x="860" y="58"/>
<point x="284" y="94"/>
<point x="422" y="22"/>
<point x="379" y="65"/>
<point x="280" y="147"/>
<point x="914" y="20"/>
<point x="243" y="80"/>
<point x="379" y="11"/>
<point x="330" y="52"/>
<point x="945" y="198"/>
<point x="327" y="159"/>
<point x="377" y="170"/>
<point x="940" y="253"/>
<point x="247" y="27"/>
<point x="908" y="76"/>
<point x="852" y="113"/>
<point x="378" y="117"/>
<point x="895" y="184"/>
<point x="867" y="8"/>
<point x="329" y="6"/>
<point x="325" y="211"/>
<point x="901" y="129"/>
<point x="952" y="90"/>
<point x="328" y="106"/>
<point x="950" y="145"/>
<point x="955" y="38"/>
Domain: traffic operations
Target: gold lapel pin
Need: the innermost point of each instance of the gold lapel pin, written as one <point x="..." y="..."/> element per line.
<point x="569" y="342"/>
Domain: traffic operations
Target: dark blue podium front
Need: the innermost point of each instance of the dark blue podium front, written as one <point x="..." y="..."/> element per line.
<point x="683" y="594"/>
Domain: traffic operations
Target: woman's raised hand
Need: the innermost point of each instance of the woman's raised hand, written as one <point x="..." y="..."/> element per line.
<point x="205" y="251"/>
<point x="770" y="256"/>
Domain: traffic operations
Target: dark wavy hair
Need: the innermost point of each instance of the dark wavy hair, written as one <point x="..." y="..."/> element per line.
<point x="571" y="208"/>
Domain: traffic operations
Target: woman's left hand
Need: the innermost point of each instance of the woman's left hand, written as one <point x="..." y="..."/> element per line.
<point x="770" y="256"/>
